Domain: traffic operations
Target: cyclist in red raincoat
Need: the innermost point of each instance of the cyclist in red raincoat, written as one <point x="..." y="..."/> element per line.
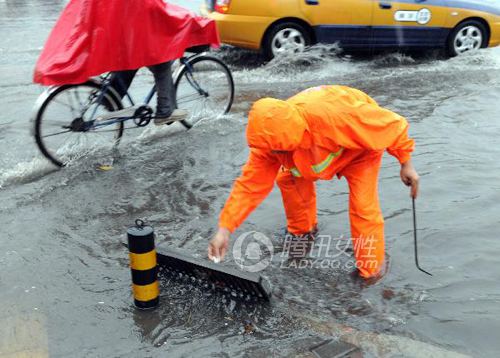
<point x="92" y="37"/>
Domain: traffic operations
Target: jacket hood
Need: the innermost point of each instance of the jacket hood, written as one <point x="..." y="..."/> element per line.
<point x="275" y="125"/>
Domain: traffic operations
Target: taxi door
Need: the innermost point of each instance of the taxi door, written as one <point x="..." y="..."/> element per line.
<point x="409" y="23"/>
<point x="344" y="21"/>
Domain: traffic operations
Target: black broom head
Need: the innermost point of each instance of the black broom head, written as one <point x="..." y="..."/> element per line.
<point x="241" y="284"/>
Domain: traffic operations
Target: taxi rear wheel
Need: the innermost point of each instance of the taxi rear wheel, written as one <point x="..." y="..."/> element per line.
<point x="468" y="36"/>
<point x="286" y="38"/>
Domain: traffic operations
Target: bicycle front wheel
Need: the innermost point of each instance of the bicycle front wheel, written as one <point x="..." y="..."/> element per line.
<point x="63" y="126"/>
<point x="204" y="88"/>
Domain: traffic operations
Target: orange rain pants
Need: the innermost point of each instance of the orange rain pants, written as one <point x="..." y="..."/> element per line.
<point x="367" y="222"/>
<point x="320" y="133"/>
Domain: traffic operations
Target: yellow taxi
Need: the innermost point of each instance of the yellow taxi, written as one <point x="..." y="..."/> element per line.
<point x="277" y="26"/>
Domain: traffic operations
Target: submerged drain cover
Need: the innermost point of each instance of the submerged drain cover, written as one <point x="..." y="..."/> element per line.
<point x="336" y="349"/>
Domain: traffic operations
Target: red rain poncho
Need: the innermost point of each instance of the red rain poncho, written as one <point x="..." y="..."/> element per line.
<point x="96" y="36"/>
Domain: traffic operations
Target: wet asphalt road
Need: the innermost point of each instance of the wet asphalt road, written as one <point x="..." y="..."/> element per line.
<point x="65" y="283"/>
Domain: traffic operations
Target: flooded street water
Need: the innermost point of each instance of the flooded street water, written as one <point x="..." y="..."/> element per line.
<point x="65" y="281"/>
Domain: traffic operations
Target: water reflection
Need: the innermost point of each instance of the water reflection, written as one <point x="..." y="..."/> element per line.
<point x="66" y="226"/>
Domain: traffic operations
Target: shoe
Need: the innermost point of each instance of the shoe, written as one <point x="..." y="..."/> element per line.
<point x="126" y="112"/>
<point x="375" y="278"/>
<point x="177" y="115"/>
<point x="298" y="246"/>
<point x="285" y="233"/>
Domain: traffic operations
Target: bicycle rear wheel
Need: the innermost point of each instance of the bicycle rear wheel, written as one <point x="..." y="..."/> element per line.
<point x="205" y="88"/>
<point x="63" y="129"/>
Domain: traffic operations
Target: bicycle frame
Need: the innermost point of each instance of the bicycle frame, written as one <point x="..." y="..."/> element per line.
<point x="95" y="123"/>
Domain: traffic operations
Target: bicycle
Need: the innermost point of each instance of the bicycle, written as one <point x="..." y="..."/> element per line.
<point x="93" y="115"/>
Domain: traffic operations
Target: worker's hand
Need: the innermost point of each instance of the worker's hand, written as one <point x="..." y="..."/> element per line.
<point x="410" y="177"/>
<point x="218" y="245"/>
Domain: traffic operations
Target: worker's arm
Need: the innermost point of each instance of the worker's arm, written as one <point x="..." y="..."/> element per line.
<point x="249" y="190"/>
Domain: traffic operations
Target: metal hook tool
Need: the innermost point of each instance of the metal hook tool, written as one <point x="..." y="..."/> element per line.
<point x="415" y="238"/>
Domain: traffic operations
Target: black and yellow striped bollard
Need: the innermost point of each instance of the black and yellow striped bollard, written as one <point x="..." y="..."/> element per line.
<point x="142" y="253"/>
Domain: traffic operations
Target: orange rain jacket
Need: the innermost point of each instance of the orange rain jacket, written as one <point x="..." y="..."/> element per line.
<point x="314" y="135"/>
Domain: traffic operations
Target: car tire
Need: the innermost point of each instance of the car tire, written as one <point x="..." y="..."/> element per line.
<point x="470" y="35"/>
<point x="288" y="36"/>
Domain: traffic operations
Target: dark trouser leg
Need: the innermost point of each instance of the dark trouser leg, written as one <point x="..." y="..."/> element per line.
<point x="121" y="80"/>
<point x="165" y="88"/>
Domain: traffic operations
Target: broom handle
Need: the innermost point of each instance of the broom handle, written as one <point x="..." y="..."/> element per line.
<point x="415" y="237"/>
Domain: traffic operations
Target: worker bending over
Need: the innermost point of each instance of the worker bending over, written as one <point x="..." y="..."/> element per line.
<point x="317" y="134"/>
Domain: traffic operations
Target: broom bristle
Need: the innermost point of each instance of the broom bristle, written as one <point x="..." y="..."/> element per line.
<point x="228" y="279"/>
